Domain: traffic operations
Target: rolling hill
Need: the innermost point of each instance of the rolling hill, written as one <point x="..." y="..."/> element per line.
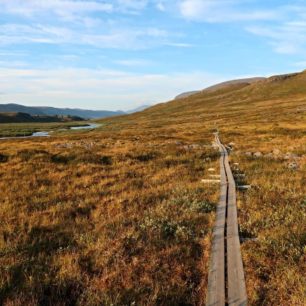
<point x="186" y="94"/>
<point x="222" y="85"/>
<point x="247" y="99"/>
<point x="137" y="109"/>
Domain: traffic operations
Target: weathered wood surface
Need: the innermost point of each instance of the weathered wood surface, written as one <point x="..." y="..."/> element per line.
<point x="226" y="283"/>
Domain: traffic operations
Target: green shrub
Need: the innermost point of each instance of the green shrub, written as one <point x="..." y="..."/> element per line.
<point x="106" y="160"/>
<point x="28" y="154"/>
<point x="145" y="157"/>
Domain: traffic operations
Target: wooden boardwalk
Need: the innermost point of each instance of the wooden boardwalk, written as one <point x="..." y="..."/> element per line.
<point x="226" y="283"/>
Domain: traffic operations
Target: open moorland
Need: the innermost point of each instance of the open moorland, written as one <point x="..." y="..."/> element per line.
<point x="119" y="215"/>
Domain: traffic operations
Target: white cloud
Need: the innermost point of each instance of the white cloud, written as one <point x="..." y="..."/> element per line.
<point x="120" y="38"/>
<point x="285" y="38"/>
<point x="222" y="11"/>
<point x="70" y="9"/>
<point x="301" y="64"/>
<point x="179" y="45"/>
<point x="12" y="64"/>
<point x="195" y="8"/>
<point x="161" y="6"/>
<point x="76" y="10"/>
<point x="99" y="89"/>
<point x="10" y="53"/>
<point x="19" y="33"/>
<point x="131" y="5"/>
<point x="62" y="8"/>
<point x="133" y="62"/>
<point x="283" y="28"/>
<point x="115" y="37"/>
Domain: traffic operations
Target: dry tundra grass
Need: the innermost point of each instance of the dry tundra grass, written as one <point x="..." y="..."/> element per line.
<point x="114" y="219"/>
<point x="119" y="216"/>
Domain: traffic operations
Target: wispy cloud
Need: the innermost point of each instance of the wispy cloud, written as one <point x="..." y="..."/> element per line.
<point x="131" y="38"/>
<point x="133" y="62"/>
<point x="131" y="6"/>
<point x="286" y="37"/>
<point x="283" y="27"/>
<point x="13" y="64"/>
<point x="70" y="9"/>
<point x="9" y="53"/>
<point x="20" y="33"/>
<point x="222" y="11"/>
<point x="301" y="64"/>
<point x="62" y="8"/>
<point x="160" y="5"/>
<point x="179" y="45"/>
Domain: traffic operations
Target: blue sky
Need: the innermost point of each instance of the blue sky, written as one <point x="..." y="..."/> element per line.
<point x="124" y="53"/>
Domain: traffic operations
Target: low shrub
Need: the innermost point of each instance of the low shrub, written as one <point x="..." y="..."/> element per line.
<point x="3" y="158"/>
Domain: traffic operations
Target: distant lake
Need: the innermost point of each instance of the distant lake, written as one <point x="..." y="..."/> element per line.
<point x="88" y="127"/>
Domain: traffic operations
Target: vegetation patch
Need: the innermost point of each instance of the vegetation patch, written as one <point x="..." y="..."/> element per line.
<point x="3" y="158"/>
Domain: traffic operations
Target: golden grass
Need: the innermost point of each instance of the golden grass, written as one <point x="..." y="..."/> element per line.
<point x="115" y="219"/>
<point x="272" y="218"/>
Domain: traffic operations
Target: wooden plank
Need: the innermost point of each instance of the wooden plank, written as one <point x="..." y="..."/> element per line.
<point x="216" y="277"/>
<point x="235" y="274"/>
<point x="226" y="287"/>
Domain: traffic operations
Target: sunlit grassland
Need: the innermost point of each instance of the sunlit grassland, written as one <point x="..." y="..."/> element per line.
<point x="260" y="118"/>
<point x="104" y="218"/>
<point x="272" y="213"/>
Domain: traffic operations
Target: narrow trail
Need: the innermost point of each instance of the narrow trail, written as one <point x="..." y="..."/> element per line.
<point x="226" y="283"/>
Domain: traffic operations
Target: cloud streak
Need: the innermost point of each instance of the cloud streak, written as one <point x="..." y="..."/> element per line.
<point x="62" y="8"/>
<point x="284" y="27"/>
<point x="221" y="11"/>
<point x="70" y="9"/>
<point x="286" y="36"/>
<point x="117" y="38"/>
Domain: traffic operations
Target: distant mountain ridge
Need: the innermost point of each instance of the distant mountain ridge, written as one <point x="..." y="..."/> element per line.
<point x="247" y="81"/>
<point x="17" y="108"/>
<point x="11" y="117"/>
<point x="235" y="97"/>
<point x="53" y="111"/>
<point x="186" y="94"/>
<point x="138" y="109"/>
